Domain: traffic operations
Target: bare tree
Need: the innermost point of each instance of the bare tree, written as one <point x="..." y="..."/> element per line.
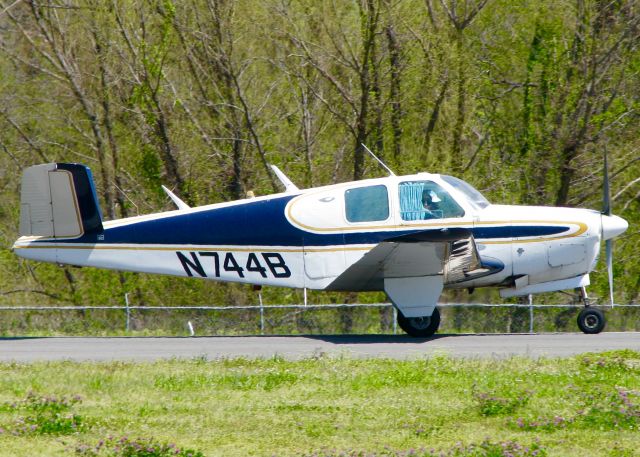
<point x="58" y="58"/>
<point x="337" y="62"/>
<point x="460" y="15"/>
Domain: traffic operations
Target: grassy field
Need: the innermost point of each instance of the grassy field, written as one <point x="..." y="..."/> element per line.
<point x="586" y="405"/>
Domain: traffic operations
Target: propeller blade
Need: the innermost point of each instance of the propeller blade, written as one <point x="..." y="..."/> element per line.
<point x="609" y="253"/>
<point x="606" y="192"/>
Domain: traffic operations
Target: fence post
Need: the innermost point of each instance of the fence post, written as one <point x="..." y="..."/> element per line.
<point x="127" y="311"/>
<point x="530" y="313"/>
<point x="395" y="319"/>
<point x="261" y="314"/>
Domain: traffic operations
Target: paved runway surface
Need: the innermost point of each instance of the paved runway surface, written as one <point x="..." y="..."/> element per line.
<point x="295" y="347"/>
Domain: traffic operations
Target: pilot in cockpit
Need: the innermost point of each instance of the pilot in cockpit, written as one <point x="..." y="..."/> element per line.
<point x="430" y="206"/>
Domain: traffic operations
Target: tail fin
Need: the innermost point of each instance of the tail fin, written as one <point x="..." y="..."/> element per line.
<point x="59" y="200"/>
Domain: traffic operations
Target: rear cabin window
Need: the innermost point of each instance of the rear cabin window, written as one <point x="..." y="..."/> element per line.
<point x="365" y="204"/>
<point x="420" y="200"/>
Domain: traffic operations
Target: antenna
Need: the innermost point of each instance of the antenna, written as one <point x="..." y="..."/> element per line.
<point x="391" y="173"/>
<point x="286" y="182"/>
<point x="179" y="203"/>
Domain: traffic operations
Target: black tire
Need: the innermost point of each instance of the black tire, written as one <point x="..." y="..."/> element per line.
<point x="591" y="321"/>
<point x="420" y="327"/>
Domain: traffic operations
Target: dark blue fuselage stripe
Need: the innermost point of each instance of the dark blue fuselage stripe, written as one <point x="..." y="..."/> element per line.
<point x="263" y="223"/>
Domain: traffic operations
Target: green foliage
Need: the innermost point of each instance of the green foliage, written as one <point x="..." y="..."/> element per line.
<point x="182" y="93"/>
<point x="149" y="167"/>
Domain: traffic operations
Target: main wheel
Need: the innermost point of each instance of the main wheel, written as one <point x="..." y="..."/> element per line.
<point x="420" y="327"/>
<point x="591" y="320"/>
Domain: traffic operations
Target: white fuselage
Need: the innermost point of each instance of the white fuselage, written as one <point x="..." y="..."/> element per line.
<point x="307" y="240"/>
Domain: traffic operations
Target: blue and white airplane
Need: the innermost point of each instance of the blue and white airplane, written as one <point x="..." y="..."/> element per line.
<point x="410" y="236"/>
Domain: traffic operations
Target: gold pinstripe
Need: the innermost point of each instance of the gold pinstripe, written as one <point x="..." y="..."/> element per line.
<point x="583" y="228"/>
<point x="185" y="248"/>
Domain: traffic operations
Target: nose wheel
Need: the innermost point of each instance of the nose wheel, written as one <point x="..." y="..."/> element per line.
<point x="590" y="320"/>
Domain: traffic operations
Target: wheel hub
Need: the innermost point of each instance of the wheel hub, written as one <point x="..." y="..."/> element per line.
<point x="420" y="323"/>
<point x="591" y="321"/>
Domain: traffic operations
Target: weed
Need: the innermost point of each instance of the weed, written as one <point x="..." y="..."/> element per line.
<point x="47" y="415"/>
<point x="51" y="404"/>
<point x="601" y="409"/>
<point x="620" y="409"/>
<point x="37" y="403"/>
<point x="543" y="424"/>
<point x="492" y="404"/>
<point x="139" y="447"/>
<point x="621" y="361"/>
<point x="236" y="380"/>
<point x="401" y="375"/>
<point x="490" y="449"/>
<point x="48" y="424"/>
<point x="484" y="449"/>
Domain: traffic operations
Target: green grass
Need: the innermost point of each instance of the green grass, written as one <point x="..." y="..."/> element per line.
<point x="586" y="405"/>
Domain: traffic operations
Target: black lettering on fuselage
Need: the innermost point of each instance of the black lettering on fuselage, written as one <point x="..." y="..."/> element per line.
<point x="191" y="264"/>
<point x="230" y="264"/>
<point x="216" y="261"/>
<point x="275" y="263"/>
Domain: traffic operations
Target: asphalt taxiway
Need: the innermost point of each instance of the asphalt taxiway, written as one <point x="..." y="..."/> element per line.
<point x="32" y="349"/>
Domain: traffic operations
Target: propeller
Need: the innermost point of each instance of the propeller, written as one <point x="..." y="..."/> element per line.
<point x="606" y="210"/>
<point x="611" y="225"/>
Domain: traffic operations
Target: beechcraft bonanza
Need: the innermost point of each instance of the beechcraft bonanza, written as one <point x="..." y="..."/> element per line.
<point x="410" y="236"/>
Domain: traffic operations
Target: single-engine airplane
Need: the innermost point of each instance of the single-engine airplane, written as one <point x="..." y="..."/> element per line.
<point x="410" y="236"/>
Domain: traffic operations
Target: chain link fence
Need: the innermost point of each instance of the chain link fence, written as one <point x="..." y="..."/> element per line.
<point x="378" y="318"/>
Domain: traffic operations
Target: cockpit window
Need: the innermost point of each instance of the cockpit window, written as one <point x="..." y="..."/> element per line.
<point x="474" y="196"/>
<point x="365" y="204"/>
<point x="420" y="200"/>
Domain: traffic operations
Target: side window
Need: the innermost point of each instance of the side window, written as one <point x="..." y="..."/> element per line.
<point x="364" y="204"/>
<point x="420" y="200"/>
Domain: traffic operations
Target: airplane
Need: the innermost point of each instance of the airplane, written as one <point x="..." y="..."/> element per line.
<point x="410" y="236"/>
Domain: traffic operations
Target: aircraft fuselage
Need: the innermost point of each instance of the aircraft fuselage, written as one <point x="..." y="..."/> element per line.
<point x="304" y="240"/>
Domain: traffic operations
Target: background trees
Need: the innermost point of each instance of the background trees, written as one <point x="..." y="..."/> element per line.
<point x="519" y="98"/>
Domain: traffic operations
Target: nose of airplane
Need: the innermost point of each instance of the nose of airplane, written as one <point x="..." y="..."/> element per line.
<point x="613" y="226"/>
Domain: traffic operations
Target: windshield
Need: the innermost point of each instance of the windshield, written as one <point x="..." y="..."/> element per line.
<point x="474" y="196"/>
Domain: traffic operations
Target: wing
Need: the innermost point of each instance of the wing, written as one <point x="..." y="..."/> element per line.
<point x="414" y="268"/>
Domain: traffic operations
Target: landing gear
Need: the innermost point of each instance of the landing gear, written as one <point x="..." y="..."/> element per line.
<point x="590" y="320"/>
<point x="420" y="327"/>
